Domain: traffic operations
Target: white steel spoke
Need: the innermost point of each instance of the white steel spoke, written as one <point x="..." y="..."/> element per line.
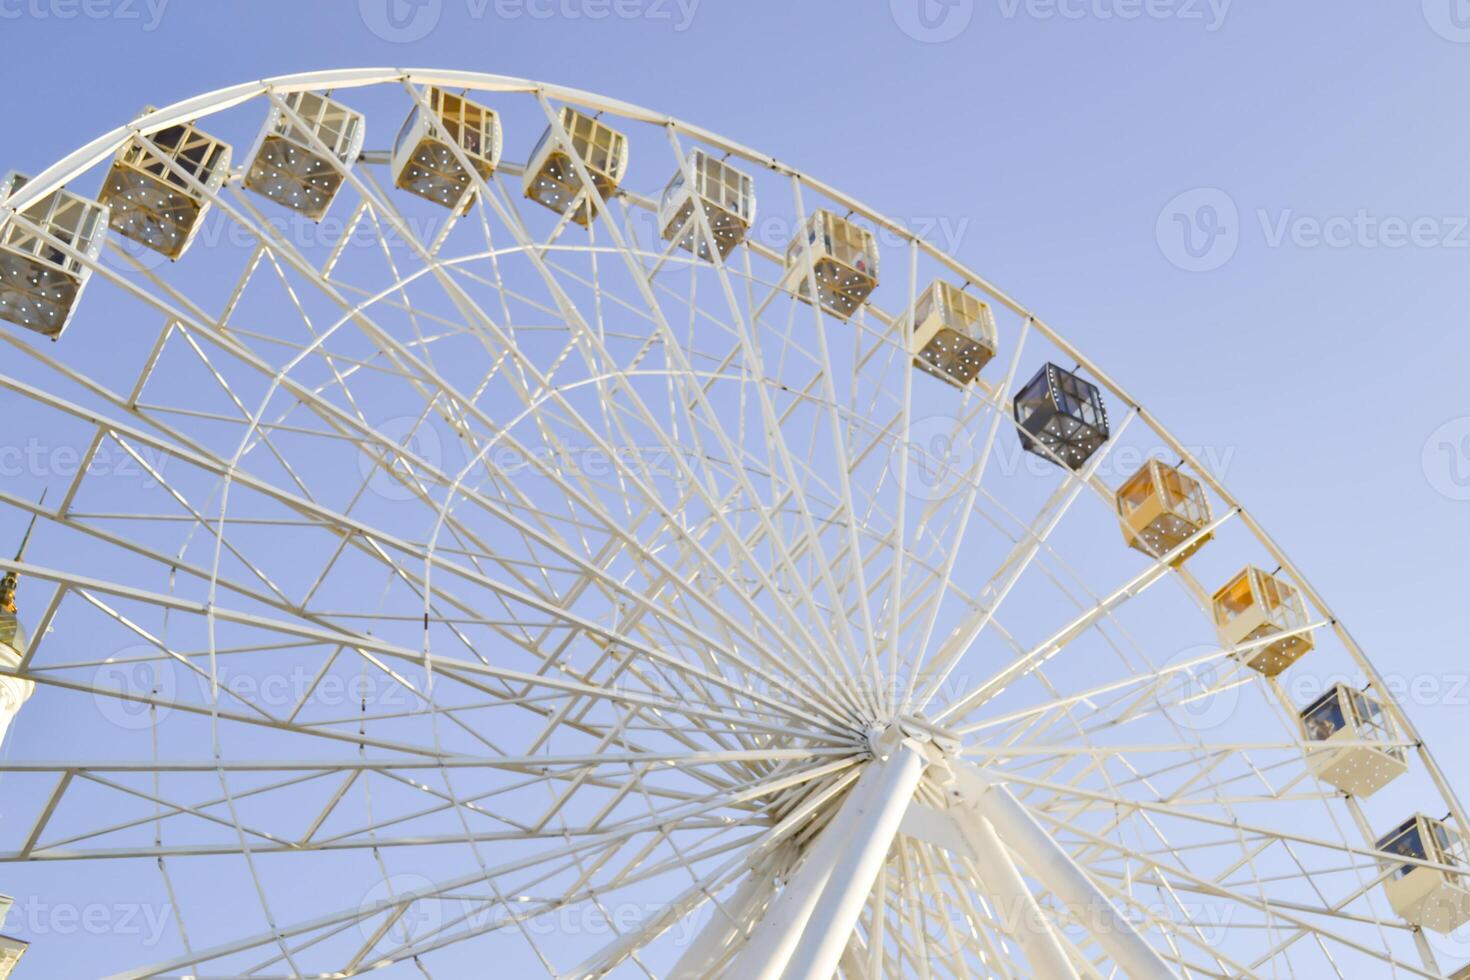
<point x="427" y="591"/>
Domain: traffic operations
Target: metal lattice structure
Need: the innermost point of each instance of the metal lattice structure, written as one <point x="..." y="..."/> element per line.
<point x="675" y="625"/>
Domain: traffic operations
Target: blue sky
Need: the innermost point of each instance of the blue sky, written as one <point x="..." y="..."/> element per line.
<point x="1255" y="215"/>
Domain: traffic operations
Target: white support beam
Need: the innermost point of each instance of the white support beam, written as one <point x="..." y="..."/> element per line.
<point x="966" y="834"/>
<point x="1017" y="909"/>
<point x="776" y="935"/>
<point x="870" y="835"/>
<point x="840" y="856"/>
<point x="728" y="922"/>
<point x="1049" y="862"/>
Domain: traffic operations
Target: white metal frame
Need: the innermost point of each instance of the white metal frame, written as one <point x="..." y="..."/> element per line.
<point x="740" y="616"/>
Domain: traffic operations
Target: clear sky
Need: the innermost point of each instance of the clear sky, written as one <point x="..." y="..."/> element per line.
<point x="1254" y="214"/>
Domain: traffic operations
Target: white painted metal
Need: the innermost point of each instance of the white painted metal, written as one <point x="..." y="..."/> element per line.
<point x="1045" y="858"/>
<point x="774" y="940"/>
<point x="14" y="691"/>
<point x="682" y="656"/>
<point x="726" y="928"/>
<point x="1029" y="925"/>
<point x="824" y="937"/>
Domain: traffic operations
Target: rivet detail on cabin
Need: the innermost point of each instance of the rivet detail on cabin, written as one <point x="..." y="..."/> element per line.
<point x="40" y="282"/>
<point x="424" y="158"/>
<point x="1161" y="508"/>
<point x="300" y="165"/>
<point x="951" y="334"/>
<point x="1062" y="417"/>
<point x="1255" y="605"/>
<point x="552" y="180"/>
<point x="843" y="259"/>
<point x="158" y="187"/>
<point x="726" y="195"/>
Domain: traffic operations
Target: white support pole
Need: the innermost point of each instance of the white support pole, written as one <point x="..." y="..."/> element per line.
<point x="775" y="936"/>
<point x="1050" y="863"/>
<point x="1426" y="952"/>
<point x="775" y="940"/>
<point x="728" y="922"/>
<point x="854" y="960"/>
<point x="1018" y="911"/>
<point x="870" y="834"/>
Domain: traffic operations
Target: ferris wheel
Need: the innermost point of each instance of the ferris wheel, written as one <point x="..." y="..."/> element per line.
<point x="487" y="541"/>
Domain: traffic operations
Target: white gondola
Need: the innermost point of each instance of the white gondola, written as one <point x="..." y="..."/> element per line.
<point x="727" y="196"/>
<point x="1161" y="508"/>
<point x="951" y="334"/>
<point x="424" y="161"/>
<point x="158" y="194"/>
<point x="843" y="259"/>
<point x="299" y="165"/>
<point x="1343" y="715"/>
<point x="40" y="284"/>
<point x="552" y="180"/>
<point x="1255" y="605"/>
<point x="1427" y="896"/>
